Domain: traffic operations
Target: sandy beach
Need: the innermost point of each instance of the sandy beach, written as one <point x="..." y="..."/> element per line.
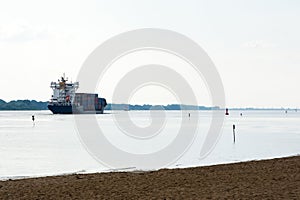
<point x="272" y="179"/>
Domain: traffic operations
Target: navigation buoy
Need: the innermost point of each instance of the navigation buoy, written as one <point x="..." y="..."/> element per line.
<point x="226" y="113"/>
<point x="33" y="118"/>
<point x="233" y="129"/>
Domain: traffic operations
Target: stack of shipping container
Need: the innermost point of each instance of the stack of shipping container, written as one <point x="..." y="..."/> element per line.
<point x="89" y="102"/>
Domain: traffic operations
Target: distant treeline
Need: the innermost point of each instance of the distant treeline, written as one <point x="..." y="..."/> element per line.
<point x="23" y="105"/>
<point x="157" y="107"/>
<point x="40" y="105"/>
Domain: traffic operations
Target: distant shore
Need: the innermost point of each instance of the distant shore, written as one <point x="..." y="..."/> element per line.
<point x="42" y="105"/>
<point x="272" y="179"/>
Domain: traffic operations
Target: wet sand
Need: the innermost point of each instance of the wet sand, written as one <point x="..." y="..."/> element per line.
<point x="271" y="179"/>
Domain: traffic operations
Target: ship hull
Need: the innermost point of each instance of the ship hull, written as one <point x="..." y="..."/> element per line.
<point x="59" y="109"/>
<point x="69" y="109"/>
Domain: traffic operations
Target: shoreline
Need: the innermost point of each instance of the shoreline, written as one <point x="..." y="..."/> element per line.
<point x="274" y="178"/>
<point x="132" y="169"/>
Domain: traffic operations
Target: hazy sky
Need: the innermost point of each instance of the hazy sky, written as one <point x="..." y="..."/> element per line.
<point x="254" y="44"/>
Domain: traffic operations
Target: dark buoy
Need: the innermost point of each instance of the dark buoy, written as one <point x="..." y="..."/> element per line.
<point x="241" y="114"/>
<point x="233" y="129"/>
<point x="33" y="118"/>
<point x="226" y="112"/>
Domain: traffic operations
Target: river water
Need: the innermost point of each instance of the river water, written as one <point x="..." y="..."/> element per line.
<point x="52" y="145"/>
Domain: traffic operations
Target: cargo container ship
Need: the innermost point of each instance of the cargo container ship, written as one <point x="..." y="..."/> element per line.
<point x="65" y="100"/>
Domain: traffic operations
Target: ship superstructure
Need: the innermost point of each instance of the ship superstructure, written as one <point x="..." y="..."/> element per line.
<point x="65" y="100"/>
<point x="63" y="92"/>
